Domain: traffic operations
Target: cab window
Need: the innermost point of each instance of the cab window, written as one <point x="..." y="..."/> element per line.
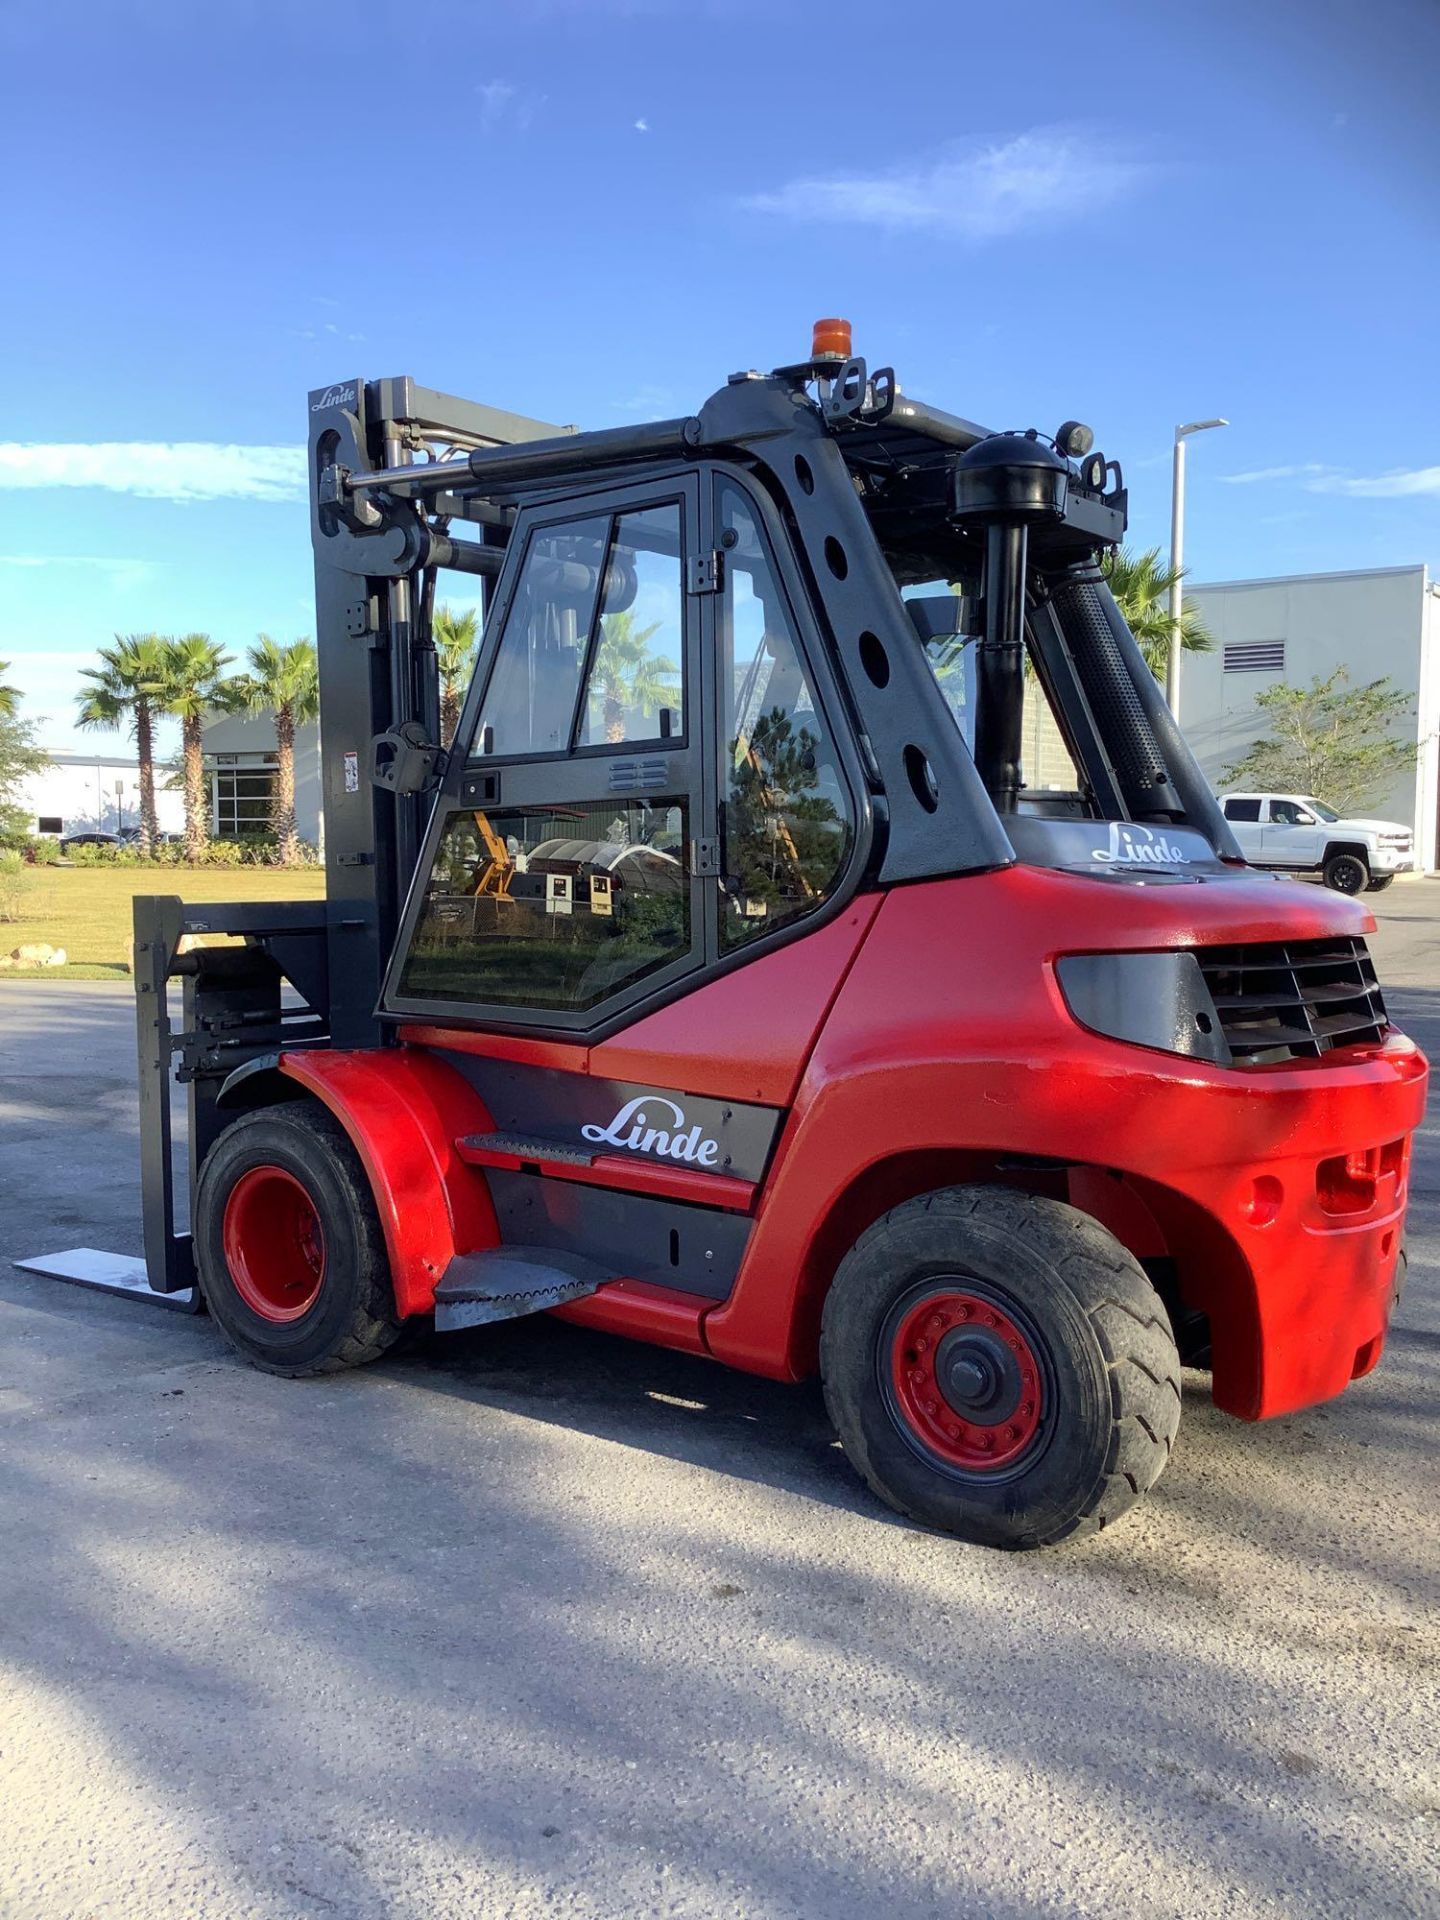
<point x="531" y="696"/>
<point x="633" y="689"/>
<point x="552" y="906"/>
<point x="1242" y="809"/>
<point x="787" y="817"/>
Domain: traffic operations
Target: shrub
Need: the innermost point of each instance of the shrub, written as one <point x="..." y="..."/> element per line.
<point x="14" y="883"/>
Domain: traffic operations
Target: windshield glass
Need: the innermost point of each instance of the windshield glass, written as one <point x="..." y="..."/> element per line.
<point x="1064" y="739"/>
<point x="1319" y="808"/>
<point x="1047" y="765"/>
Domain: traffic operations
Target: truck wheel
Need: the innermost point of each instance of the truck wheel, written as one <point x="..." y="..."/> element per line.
<point x="288" y="1245"/>
<point x="997" y="1365"/>
<point x="1347" y="873"/>
<point x="1378" y="885"/>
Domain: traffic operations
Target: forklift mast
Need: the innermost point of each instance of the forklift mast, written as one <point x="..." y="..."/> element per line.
<point x="375" y="580"/>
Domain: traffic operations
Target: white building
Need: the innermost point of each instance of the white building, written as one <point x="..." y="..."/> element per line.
<point x="240" y="767"/>
<point x="1378" y="623"/>
<point x="95" y="792"/>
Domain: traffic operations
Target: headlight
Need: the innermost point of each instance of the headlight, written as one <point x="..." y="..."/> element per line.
<point x="1157" y="1000"/>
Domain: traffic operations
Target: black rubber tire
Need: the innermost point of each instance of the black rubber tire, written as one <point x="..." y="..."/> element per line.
<point x="1378" y="885"/>
<point x="353" y="1318"/>
<point x="1103" y="1335"/>
<point x="1347" y="873"/>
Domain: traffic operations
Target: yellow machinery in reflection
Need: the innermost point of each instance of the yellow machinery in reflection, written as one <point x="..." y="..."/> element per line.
<point x="499" y="868"/>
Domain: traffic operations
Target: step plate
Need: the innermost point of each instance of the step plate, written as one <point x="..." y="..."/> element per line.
<point x="506" y="1282"/>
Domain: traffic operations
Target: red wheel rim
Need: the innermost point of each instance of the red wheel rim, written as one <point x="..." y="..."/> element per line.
<point x="966" y="1379"/>
<point x="274" y="1244"/>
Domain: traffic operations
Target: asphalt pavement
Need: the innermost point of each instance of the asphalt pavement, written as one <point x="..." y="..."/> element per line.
<point x="535" y="1622"/>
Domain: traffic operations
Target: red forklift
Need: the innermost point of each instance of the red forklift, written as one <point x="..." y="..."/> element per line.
<point x="817" y="950"/>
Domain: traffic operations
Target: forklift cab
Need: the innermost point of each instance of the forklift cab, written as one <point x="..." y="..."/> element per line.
<point x="652" y="734"/>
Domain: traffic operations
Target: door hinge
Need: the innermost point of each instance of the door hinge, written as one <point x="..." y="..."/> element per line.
<point x="704" y="858"/>
<point x="705" y="572"/>
<point x="404" y="761"/>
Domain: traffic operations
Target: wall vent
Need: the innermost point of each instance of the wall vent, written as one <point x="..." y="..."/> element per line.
<point x="1255" y="656"/>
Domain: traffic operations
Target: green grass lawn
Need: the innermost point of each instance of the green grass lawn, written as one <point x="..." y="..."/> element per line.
<point x="86" y="910"/>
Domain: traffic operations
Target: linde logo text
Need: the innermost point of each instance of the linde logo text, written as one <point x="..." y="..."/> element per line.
<point x="334" y="397"/>
<point x="1132" y="846"/>
<point x="631" y="1129"/>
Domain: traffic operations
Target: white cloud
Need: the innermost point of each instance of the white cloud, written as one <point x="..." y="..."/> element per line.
<point x="1381" y="486"/>
<point x="979" y="193"/>
<point x="1308" y="470"/>
<point x="158" y="469"/>
<point x="503" y="106"/>
<point x="120" y="572"/>
<point x="1319" y="477"/>
<point x="646" y="402"/>
<point x="642" y="126"/>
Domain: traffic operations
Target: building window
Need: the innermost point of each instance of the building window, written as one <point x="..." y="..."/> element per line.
<point x="242" y="801"/>
<point x="1255" y="656"/>
<point x="49" y="823"/>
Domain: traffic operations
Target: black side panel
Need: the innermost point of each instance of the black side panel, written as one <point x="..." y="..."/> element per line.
<point x="692" y="1249"/>
<point x="647" y="1123"/>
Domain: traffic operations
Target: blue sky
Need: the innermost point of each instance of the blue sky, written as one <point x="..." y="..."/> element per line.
<point x="593" y="210"/>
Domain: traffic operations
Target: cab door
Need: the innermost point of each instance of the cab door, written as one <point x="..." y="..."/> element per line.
<point x="562" y="869"/>
<point x="1291" y="835"/>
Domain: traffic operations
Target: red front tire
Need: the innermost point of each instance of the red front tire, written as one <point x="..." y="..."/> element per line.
<point x="288" y="1244"/>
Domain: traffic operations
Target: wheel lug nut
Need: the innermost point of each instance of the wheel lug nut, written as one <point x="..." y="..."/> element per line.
<point x="1010" y="1433"/>
<point x="990" y="1320"/>
<point x="922" y="1346"/>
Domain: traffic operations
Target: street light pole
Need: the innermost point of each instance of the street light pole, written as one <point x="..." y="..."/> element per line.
<point x="1177" y="556"/>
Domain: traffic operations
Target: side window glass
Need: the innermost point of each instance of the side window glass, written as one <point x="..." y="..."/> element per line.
<point x="1284" y="813"/>
<point x="553" y="907"/>
<point x="1242" y="809"/>
<point x="531" y="697"/>
<point x="635" y="686"/>
<point x="786" y="813"/>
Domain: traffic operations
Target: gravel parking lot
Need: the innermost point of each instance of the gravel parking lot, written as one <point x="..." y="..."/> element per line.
<point x="536" y="1622"/>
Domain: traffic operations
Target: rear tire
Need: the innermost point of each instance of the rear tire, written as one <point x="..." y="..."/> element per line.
<point x="998" y="1365"/>
<point x="1347" y="873"/>
<point x="288" y="1246"/>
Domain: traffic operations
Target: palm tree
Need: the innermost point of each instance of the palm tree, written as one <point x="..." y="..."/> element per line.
<point x="130" y="684"/>
<point x="284" y="681"/>
<point x="627" y="674"/>
<point x="195" y="672"/>
<point x="1141" y="584"/>
<point x="9" y="696"/>
<point x="454" y="635"/>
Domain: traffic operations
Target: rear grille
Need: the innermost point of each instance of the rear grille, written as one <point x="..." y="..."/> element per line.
<point x="1293" y="1000"/>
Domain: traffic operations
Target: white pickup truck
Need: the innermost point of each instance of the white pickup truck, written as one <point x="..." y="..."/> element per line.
<point x="1298" y="834"/>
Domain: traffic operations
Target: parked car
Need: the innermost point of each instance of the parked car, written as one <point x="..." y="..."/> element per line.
<point x="130" y="837"/>
<point x="89" y="840"/>
<point x="1296" y="833"/>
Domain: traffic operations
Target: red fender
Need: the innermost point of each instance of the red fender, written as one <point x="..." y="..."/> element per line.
<point x="404" y="1111"/>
